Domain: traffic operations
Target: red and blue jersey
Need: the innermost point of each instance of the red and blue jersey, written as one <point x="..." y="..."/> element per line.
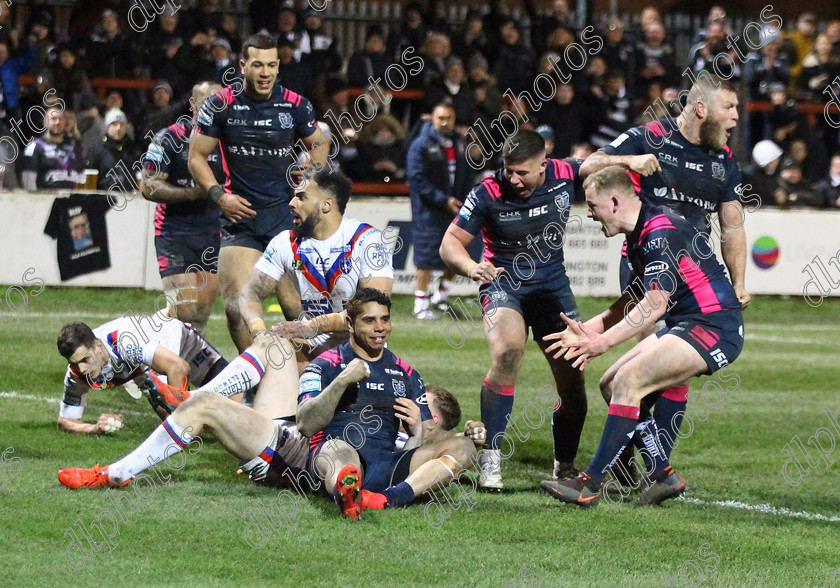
<point x="168" y="153"/>
<point x="365" y="416"/>
<point x="668" y="252"/>
<point x="524" y="236"/>
<point x="257" y="140"/>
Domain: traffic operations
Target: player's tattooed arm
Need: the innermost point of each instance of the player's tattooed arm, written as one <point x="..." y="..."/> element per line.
<point x="645" y="164"/>
<point x="155" y="188"/>
<point x="258" y="287"/>
<point x="316" y="413"/>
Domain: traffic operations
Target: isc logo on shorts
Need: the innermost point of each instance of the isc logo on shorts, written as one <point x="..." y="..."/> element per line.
<point x="719" y="357"/>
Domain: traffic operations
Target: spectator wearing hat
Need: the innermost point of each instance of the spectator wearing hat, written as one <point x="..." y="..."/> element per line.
<point x="762" y="174"/>
<point x="160" y="113"/>
<point x="114" y="156"/>
<point x="381" y="151"/>
<point x="473" y="39"/>
<point x="369" y="61"/>
<point x="318" y="50"/>
<point x="69" y="77"/>
<point x="829" y="186"/>
<point x="294" y="75"/>
<point x="514" y="64"/>
<point x="89" y="121"/>
<point x="410" y="32"/>
<point x="162" y="44"/>
<point x="225" y="68"/>
<point x="452" y="89"/>
<point x="109" y="53"/>
<point x="793" y="190"/>
<point x="547" y="133"/>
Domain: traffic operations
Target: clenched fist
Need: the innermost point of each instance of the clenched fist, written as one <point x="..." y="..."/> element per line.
<point x="355" y="371"/>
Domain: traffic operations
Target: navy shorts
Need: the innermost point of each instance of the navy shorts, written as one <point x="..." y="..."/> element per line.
<point x="718" y="337"/>
<point x="255" y="233"/>
<point x="427" y="247"/>
<point x="187" y="253"/>
<point x="380" y="469"/>
<point x="540" y="306"/>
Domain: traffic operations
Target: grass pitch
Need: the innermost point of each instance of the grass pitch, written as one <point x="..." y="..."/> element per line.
<point x="192" y="531"/>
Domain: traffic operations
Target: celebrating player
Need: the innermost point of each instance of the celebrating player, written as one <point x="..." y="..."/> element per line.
<point x="521" y="212"/>
<point x="704" y="328"/>
<point x="186" y="224"/>
<point x="330" y="257"/>
<point x="344" y="391"/>
<point x="121" y="350"/>
<point x="257" y="129"/>
<point x="691" y="170"/>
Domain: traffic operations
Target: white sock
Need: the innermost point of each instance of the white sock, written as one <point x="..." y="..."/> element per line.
<point x="241" y="374"/>
<point x="167" y="440"/>
<point x="421" y="301"/>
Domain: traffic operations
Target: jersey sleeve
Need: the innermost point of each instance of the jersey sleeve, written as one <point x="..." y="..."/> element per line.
<point x="74" y="400"/>
<point x="315" y="378"/>
<point x="418" y="390"/>
<point x="156" y="157"/>
<point x="630" y="142"/>
<point x="277" y="257"/>
<point x="732" y="188"/>
<point x="209" y="119"/>
<point x="375" y="258"/>
<point x="305" y="123"/>
<point x="473" y="213"/>
<point x="661" y="250"/>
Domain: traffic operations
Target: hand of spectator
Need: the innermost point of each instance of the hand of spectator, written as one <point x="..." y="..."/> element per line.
<point x="385" y="165"/>
<point x="200" y="38"/>
<point x="645" y="165"/>
<point x="236" y="208"/>
<point x="171" y="50"/>
<point x="453" y="205"/>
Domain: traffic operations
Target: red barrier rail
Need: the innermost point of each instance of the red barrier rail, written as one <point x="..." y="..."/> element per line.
<point x="381" y="188"/>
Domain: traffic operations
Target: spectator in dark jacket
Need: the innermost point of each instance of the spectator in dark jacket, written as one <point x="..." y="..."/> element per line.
<point x="293" y="75"/>
<point x="794" y="191"/>
<point x="514" y="64"/>
<point x="109" y="54"/>
<point x="369" y="61"/>
<point x="319" y="51"/>
<point x="161" y="112"/>
<point x="411" y="32"/>
<point x="69" y="77"/>
<point x="225" y="67"/>
<point x="472" y="39"/>
<point x="453" y="89"/>
<point x="438" y="178"/>
<point x="829" y="186"/>
<point x="113" y="157"/>
<point x="381" y="150"/>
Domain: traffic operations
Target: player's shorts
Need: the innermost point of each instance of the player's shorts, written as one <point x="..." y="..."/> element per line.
<point x="187" y="253"/>
<point x="426" y="247"/>
<point x="718" y="337"/>
<point x="204" y="359"/>
<point x="380" y="469"/>
<point x="282" y="462"/>
<point x="255" y="233"/>
<point x="540" y="306"/>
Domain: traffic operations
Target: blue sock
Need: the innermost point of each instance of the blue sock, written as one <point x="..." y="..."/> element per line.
<point x="668" y="414"/>
<point x="399" y="495"/>
<point x="618" y="432"/>
<point x="496" y="405"/>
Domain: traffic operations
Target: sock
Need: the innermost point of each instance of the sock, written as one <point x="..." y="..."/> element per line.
<point x="421" y="301"/>
<point x="166" y="440"/>
<point x="650" y="446"/>
<point x="566" y="427"/>
<point x="668" y="414"/>
<point x="644" y="415"/>
<point x="496" y="405"/>
<point x="241" y="374"/>
<point x="621" y="423"/>
<point x="399" y="495"/>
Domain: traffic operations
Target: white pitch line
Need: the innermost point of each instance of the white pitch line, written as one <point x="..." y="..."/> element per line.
<point x="763" y="508"/>
<point x="776" y="326"/>
<point x="777" y="339"/>
<point x="14" y="395"/>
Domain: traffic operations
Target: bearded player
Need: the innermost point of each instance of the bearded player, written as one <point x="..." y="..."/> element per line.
<point x="521" y="213"/>
<point x="686" y="165"/>
<point x="704" y="328"/>
<point x="256" y="128"/>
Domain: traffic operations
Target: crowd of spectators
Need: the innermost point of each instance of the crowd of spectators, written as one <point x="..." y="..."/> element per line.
<point x="469" y="64"/>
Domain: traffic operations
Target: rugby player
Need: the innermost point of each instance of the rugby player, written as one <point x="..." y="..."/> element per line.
<point x="330" y="258"/>
<point x="521" y="212"/>
<point x="258" y="129"/>
<point x="693" y="171"/>
<point x="186" y="223"/>
<point x="120" y="351"/>
<point x="704" y="327"/>
<point x="347" y="389"/>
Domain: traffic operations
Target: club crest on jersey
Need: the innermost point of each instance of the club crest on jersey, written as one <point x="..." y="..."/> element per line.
<point x="399" y="387"/>
<point x="345" y="265"/>
<point x="285" y="120"/>
<point x="299" y="267"/>
<point x="561" y="201"/>
<point x="718" y="171"/>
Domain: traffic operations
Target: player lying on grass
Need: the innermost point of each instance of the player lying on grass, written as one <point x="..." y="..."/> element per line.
<point x="120" y="351"/>
<point x="704" y="329"/>
<point x="328" y="255"/>
<point x="344" y="391"/>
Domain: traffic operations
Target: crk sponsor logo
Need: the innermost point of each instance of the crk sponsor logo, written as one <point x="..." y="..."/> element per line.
<point x="399" y="387"/>
<point x="236" y="121"/>
<point x="508" y="216"/>
<point x="655" y="267"/>
<point x="668" y="159"/>
<point x="695" y="166"/>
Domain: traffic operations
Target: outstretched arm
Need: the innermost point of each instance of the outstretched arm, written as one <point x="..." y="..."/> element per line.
<point x="258" y="287"/>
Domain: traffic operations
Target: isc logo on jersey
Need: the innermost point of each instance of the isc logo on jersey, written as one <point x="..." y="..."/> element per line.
<point x="538" y="210"/>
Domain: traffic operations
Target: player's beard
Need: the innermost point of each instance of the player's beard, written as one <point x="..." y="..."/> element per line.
<point x="306" y="228"/>
<point x="712" y="134"/>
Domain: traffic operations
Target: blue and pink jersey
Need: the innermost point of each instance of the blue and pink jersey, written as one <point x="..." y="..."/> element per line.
<point x="365" y="415"/>
<point x="668" y="252"/>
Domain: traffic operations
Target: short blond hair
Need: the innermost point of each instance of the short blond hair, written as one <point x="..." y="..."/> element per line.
<point x="613" y="177"/>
